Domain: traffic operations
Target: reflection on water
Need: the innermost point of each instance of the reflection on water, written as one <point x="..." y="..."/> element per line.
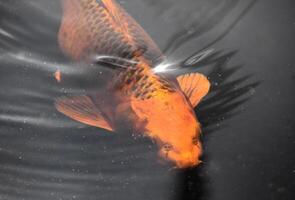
<point x="45" y="155"/>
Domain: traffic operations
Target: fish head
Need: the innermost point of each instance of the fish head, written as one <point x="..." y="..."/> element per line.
<point x="171" y="121"/>
<point x="181" y="144"/>
<point x="184" y="155"/>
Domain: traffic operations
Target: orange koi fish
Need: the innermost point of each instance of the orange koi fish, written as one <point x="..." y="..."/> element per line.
<point x="161" y="107"/>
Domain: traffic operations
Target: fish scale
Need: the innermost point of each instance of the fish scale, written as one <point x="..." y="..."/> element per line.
<point x="103" y="27"/>
<point x="141" y="82"/>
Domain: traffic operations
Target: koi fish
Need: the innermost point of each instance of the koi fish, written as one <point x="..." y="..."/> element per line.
<point x="160" y="107"/>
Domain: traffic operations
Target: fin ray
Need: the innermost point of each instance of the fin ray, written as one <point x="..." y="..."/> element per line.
<point x="195" y="86"/>
<point x="82" y="109"/>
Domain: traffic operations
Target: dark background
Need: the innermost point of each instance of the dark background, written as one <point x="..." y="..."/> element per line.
<point x="248" y="118"/>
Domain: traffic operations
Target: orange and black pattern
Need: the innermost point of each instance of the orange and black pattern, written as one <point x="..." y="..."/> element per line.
<point x="102" y="27"/>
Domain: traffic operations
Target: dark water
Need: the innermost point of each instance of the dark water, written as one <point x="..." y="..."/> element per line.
<point x="248" y="118"/>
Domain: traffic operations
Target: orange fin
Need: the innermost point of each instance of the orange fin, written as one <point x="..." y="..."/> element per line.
<point x="57" y="76"/>
<point x="195" y="86"/>
<point x="82" y="109"/>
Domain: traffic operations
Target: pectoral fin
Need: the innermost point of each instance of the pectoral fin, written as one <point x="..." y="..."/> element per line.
<point x="83" y="109"/>
<point x="195" y="86"/>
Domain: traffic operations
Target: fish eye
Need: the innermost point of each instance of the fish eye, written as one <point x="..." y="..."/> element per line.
<point x="167" y="147"/>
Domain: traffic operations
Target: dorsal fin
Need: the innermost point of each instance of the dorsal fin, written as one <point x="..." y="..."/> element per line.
<point x="82" y="109"/>
<point x="195" y="86"/>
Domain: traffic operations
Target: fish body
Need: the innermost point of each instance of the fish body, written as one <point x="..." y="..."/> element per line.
<point x="102" y="27"/>
<point x="160" y="107"/>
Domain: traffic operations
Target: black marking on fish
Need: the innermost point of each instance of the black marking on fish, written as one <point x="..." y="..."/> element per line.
<point x="149" y="96"/>
<point x="137" y="94"/>
<point x="138" y="77"/>
<point x="148" y="86"/>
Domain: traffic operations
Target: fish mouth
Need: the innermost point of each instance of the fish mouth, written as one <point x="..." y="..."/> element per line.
<point x="187" y="161"/>
<point x="182" y="159"/>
